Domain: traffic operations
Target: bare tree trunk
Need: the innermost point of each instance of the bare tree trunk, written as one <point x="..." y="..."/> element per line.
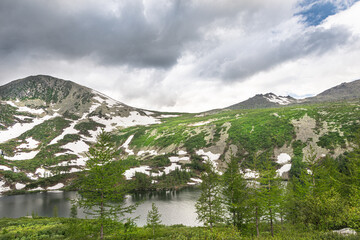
<point x="257" y="222"/>
<point x="271" y="223"/>
<point x="101" y="214"/>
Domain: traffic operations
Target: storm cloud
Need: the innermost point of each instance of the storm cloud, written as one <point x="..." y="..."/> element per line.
<point x="165" y="55"/>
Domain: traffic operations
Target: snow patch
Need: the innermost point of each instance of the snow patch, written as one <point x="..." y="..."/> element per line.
<point x="149" y="152"/>
<point x="182" y="152"/>
<point x="177" y="159"/>
<point x="11" y="104"/>
<point x="277" y="99"/>
<point x="126" y="145"/>
<point x="148" y="112"/>
<point x="32" y="176"/>
<point x="2" y="188"/>
<point x="68" y="130"/>
<point x="212" y="157"/>
<point x="62" y="153"/>
<point x="198" y="180"/>
<point x="31" y="110"/>
<point x="199" y="124"/>
<point x="250" y="174"/>
<point x="77" y="147"/>
<point x="103" y="98"/>
<point x="21" y="117"/>
<point x="283" y="158"/>
<point x="131" y="172"/>
<point x="19" y="186"/>
<point x="56" y="187"/>
<point x="132" y="120"/>
<point x="171" y="168"/>
<point x="168" y="116"/>
<point x="31" y="143"/>
<point x="43" y="173"/>
<point x="22" y="156"/>
<point x="19" y="128"/>
<point x="4" y="168"/>
<point x="284" y="169"/>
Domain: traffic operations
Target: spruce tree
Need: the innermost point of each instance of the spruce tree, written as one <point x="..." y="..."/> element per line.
<point x="153" y="218"/>
<point x="209" y="206"/>
<point x="103" y="184"/>
<point x="236" y="195"/>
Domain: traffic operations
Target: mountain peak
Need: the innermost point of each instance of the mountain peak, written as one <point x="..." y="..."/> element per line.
<point x="267" y="100"/>
<point x="43" y="87"/>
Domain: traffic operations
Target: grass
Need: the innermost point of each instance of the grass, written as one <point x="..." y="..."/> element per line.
<point x="67" y="228"/>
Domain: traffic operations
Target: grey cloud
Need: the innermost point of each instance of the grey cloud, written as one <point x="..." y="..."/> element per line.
<point x="242" y="60"/>
<point x="126" y="37"/>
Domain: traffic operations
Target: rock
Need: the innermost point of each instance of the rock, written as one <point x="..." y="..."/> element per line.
<point x="345" y="231"/>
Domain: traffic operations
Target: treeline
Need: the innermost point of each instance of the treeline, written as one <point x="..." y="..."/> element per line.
<point x="322" y="194"/>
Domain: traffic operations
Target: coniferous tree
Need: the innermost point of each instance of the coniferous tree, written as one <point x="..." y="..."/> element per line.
<point x="271" y="193"/>
<point x="153" y="219"/>
<point x="209" y="206"/>
<point x="235" y="194"/>
<point x="103" y="184"/>
<point x="73" y="211"/>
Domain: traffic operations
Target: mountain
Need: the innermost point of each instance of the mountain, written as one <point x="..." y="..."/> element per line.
<point x="47" y="126"/>
<point x="268" y="100"/>
<point x="344" y="91"/>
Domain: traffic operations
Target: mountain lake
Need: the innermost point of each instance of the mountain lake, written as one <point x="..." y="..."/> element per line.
<point x="175" y="207"/>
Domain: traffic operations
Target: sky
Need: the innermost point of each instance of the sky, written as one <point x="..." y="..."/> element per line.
<point x="183" y="55"/>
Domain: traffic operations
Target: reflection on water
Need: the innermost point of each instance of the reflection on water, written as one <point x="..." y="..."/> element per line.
<point x="176" y="207"/>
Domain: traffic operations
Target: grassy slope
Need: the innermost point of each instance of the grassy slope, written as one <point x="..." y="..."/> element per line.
<point x="258" y="130"/>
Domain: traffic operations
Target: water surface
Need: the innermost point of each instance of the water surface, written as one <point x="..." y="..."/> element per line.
<point x="176" y="207"/>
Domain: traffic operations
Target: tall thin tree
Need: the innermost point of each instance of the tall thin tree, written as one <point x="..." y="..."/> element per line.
<point x="103" y="184"/>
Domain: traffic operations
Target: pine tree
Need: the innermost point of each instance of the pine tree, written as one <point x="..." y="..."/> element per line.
<point x="103" y="184"/>
<point x="209" y="206"/>
<point x="235" y="194"/>
<point x="153" y="218"/>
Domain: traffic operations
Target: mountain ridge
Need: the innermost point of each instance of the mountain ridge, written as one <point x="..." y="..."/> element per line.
<point x="343" y="91"/>
<point x="48" y="135"/>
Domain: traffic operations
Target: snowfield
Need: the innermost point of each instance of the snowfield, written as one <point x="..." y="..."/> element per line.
<point x="20" y="128"/>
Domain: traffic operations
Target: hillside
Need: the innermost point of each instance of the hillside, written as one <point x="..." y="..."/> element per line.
<point x="48" y="124"/>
